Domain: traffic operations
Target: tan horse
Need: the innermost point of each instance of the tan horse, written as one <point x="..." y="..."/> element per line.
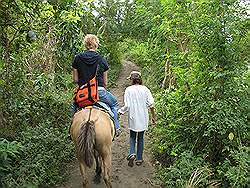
<point x="92" y="132"/>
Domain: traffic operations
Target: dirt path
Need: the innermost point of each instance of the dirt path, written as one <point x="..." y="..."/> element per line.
<point x="123" y="176"/>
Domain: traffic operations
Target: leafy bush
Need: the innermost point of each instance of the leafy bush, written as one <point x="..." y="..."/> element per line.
<point x="236" y="168"/>
<point x="113" y="74"/>
<point x="188" y="171"/>
<point x="139" y="53"/>
<point x="136" y="51"/>
<point x="42" y="158"/>
<point x="9" y="153"/>
<point x="36" y="83"/>
<point x="207" y="111"/>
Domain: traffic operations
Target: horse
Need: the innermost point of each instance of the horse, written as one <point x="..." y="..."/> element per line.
<point x="92" y="132"/>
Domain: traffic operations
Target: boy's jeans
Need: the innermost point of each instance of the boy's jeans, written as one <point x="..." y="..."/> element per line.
<point x="140" y="144"/>
<point x="108" y="98"/>
<point x="73" y="108"/>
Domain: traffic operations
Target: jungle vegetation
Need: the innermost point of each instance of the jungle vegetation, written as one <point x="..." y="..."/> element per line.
<point x="194" y="56"/>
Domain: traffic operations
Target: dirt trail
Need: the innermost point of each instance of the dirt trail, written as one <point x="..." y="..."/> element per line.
<point x="123" y="176"/>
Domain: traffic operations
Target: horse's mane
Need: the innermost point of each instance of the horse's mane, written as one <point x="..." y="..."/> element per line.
<point x="86" y="142"/>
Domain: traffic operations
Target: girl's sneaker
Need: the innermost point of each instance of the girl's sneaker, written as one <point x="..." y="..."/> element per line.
<point x="131" y="159"/>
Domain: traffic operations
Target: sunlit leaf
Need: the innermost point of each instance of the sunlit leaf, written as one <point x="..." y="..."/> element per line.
<point x="231" y="136"/>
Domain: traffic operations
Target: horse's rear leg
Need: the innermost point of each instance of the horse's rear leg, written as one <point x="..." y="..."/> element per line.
<point x="107" y="167"/>
<point x="98" y="170"/>
<point x="85" y="182"/>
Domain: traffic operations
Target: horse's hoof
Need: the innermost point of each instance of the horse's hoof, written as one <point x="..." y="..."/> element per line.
<point x="97" y="179"/>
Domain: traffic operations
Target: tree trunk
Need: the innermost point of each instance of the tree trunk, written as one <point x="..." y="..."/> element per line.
<point x="169" y="81"/>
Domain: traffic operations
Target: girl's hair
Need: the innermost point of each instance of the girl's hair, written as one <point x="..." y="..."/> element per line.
<point x="136" y="81"/>
<point x="91" y="41"/>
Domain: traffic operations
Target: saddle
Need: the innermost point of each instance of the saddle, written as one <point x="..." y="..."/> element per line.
<point x="101" y="106"/>
<point x="105" y="108"/>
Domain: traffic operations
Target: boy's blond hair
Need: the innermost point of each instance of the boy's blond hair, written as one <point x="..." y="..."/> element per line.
<point x="91" y="41"/>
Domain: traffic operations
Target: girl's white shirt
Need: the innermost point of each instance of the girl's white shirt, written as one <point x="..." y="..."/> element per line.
<point x="137" y="100"/>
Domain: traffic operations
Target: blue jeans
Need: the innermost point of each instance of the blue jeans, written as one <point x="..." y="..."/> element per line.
<point x="74" y="108"/>
<point x="108" y="98"/>
<point x="140" y="144"/>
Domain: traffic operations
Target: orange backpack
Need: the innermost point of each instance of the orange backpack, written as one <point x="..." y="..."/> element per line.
<point x="87" y="94"/>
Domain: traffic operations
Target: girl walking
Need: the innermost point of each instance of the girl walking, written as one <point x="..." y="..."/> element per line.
<point x="137" y="99"/>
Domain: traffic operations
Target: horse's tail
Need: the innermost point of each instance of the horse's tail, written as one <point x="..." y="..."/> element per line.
<point x="86" y="142"/>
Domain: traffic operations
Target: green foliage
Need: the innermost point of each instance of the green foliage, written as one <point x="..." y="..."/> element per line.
<point x="188" y="171"/>
<point x="135" y="51"/>
<point x="146" y="13"/>
<point x="139" y="53"/>
<point x="37" y="46"/>
<point x="236" y="168"/>
<point x="113" y="74"/>
<point x="42" y="157"/>
<point x="204" y="44"/>
<point x="9" y="152"/>
<point x="200" y="45"/>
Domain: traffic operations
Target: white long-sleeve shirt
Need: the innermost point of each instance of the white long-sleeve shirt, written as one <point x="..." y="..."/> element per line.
<point x="137" y="100"/>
